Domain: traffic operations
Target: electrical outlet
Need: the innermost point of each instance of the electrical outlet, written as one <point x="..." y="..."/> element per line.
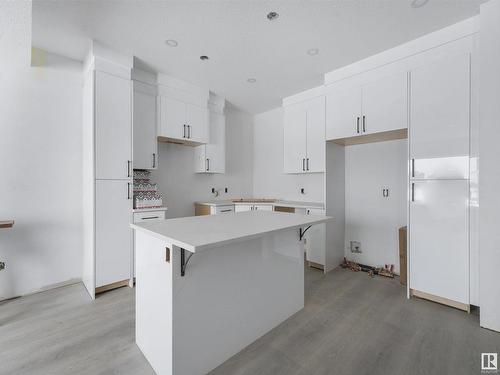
<point x="302" y="191"/>
<point x="225" y="190"/>
<point x="2" y="266"/>
<point x="213" y="190"/>
<point x="356" y="247"/>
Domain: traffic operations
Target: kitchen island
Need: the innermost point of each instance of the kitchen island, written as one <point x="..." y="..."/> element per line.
<point x="208" y="286"/>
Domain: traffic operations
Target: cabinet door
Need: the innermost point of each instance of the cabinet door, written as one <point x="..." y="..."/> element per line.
<point x="113" y="126"/>
<point x="172" y="118"/>
<point x="316" y="143"/>
<point x="295" y="138"/>
<point x="200" y="159"/>
<point x="439" y="244"/>
<point x="439" y="109"/>
<point x="144" y="124"/>
<point x="315" y="240"/>
<point x="113" y="241"/>
<point x="343" y="112"/>
<point x="263" y="207"/>
<point x="242" y="207"/>
<point x="385" y="105"/>
<point x="197" y="121"/>
<point x="216" y="148"/>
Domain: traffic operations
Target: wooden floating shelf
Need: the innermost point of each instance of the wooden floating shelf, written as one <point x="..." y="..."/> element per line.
<point x="372" y="138"/>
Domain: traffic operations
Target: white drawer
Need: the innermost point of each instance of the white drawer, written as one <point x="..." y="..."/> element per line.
<point x="215" y="210"/>
<point x="148" y="216"/>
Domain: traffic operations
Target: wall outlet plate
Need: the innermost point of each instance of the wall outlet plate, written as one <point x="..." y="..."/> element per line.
<point x="356" y="247"/>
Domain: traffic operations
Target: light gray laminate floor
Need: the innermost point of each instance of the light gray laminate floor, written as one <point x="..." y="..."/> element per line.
<point x="352" y="324"/>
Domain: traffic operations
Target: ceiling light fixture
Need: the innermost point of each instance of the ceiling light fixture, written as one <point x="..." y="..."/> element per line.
<point x="271" y="16"/>
<point x="418" y="3"/>
<point x="251" y="80"/>
<point x="171" y="43"/>
<point x="313" y="51"/>
<point x="204" y="58"/>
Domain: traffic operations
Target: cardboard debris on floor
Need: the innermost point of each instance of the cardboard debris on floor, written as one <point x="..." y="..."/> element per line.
<point x="386" y="271"/>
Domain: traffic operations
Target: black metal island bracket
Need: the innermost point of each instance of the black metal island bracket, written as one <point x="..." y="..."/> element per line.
<point x="302" y="232"/>
<point x="184" y="261"/>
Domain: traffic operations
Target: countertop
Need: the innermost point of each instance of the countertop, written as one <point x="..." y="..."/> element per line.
<point x="277" y="202"/>
<point x="198" y="233"/>
<point x="150" y="209"/>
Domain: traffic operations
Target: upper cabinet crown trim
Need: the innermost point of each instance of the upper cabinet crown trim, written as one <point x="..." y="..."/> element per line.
<point x="216" y="103"/>
<point x="144" y="77"/>
<point x="435" y="39"/>
<point x="304" y="95"/>
<point x="108" y="60"/>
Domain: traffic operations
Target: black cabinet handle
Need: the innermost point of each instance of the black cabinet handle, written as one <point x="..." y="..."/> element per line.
<point x="128" y="167"/>
<point x="357" y="125"/>
<point x="150" y="217"/>
<point x="128" y="190"/>
<point x="208" y="164"/>
<point x="307" y="164"/>
<point x="154" y="160"/>
<point x="184" y="132"/>
<point x="303" y="164"/>
<point x="413" y="167"/>
<point x="413" y="192"/>
<point x="189" y="131"/>
<point x="364" y="123"/>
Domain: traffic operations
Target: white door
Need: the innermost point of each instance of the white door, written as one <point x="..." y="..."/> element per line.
<point x="216" y="149"/>
<point x="439" y="109"/>
<point x="113" y="127"/>
<point x="295" y="138"/>
<point x="385" y="105"/>
<point x="263" y="207"/>
<point x="315" y="240"/>
<point x="172" y="118"/>
<point x="343" y="112"/>
<point x="439" y="244"/>
<point x="316" y="143"/>
<point x="113" y="235"/>
<point x="197" y="122"/>
<point x="144" y="124"/>
<point x="242" y="207"/>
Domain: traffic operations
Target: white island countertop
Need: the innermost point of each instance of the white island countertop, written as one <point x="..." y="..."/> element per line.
<point x="196" y="233"/>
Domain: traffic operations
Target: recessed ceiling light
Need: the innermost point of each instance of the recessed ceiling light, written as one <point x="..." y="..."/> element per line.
<point x="251" y="80"/>
<point x="313" y="51"/>
<point x="171" y="43"/>
<point x="271" y="16"/>
<point x="203" y="57"/>
<point x="418" y="3"/>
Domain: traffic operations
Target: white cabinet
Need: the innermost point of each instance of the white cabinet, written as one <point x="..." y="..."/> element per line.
<point x="439" y="109"/>
<point x="183" y="122"/>
<point x="304" y="136"/>
<point x="343" y="112"/>
<point x="375" y="107"/>
<point x="438" y="239"/>
<point x="113" y="235"/>
<point x="211" y="158"/>
<point x="113" y="126"/>
<point x="315" y="240"/>
<point x="252" y="207"/>
<point x="226" y="209"/>
<point x="144" y="125"/>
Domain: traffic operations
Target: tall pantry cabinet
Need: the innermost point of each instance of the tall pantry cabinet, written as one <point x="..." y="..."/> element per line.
<point x="439" y="181"/>
<point x="107" y="170"/>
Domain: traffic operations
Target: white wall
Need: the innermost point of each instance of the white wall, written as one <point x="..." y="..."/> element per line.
<point x="268" y="179"/>
<point x="40" y="162"/>
<point x="370" y="218"/>
<point x="489" y="156"/>
<point x="181" y="187"/>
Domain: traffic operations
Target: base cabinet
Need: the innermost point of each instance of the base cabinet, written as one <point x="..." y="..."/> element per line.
<point x="113" y="235"/>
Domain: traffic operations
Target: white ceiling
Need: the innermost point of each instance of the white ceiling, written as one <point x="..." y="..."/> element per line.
<point x="239" y="40"/>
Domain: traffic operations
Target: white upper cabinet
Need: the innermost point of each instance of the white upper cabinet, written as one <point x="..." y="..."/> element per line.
<point x="113" y="127"/>
<point x="343" y="112"/>
<point x="144" y="124"/>
<point x="304" y="136"/>
<point x="384" y="104"/>
<point x="316" y="146"/>
<point x="375" y="107"/>
<point x="211" y="158"/>
<point x="197" y="123"/>
<point x="295" y="138"/>
<point x="440" y="109"/>
<point x="184" y="122"/>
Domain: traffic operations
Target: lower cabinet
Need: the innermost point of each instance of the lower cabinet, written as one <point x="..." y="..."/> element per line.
<point x="113" y="235"/>
<point x="315" y="239"/>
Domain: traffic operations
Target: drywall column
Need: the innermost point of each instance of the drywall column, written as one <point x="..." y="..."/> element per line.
<point x="489" y="165"/>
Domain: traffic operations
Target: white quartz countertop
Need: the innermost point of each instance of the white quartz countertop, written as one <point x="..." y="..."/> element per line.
<point x="197" y="233"/>
<point x="278" y="202"/>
